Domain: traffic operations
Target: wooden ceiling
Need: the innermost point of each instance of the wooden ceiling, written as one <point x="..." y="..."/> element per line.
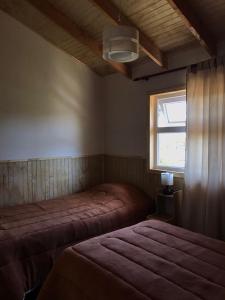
<point x="76" y="26"/>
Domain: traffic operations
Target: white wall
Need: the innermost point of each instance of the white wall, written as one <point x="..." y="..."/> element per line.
<point x="126" y="111"/>
<point x="50" y="104"/>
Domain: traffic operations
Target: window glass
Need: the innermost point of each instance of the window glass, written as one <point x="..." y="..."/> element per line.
<point x="171" y="150"/>
<point x="168" y="131"/>
<point x="171" y="112"/>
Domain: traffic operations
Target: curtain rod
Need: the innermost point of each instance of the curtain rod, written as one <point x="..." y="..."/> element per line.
<point x="147" y="77"/>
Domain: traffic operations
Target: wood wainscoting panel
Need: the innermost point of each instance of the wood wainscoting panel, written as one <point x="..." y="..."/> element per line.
<point x="134" y="170"/>
<point x="41" y="179"/>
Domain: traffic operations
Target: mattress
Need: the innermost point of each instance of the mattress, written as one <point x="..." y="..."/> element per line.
<point x="150" y="260"/>
<point x="33" y="235"/>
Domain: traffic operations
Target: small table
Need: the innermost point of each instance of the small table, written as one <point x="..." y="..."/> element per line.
<point x="166" y="207"/>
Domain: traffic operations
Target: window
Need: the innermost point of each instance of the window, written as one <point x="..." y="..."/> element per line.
<point x="168" y="131"/>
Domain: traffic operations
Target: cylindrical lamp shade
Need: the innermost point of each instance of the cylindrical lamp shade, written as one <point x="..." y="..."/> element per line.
<point x="120" y="43"/>
<point x="167" y="179"/>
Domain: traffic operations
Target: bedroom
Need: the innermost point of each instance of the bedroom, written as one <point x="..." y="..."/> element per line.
<point x="83" y="153"/>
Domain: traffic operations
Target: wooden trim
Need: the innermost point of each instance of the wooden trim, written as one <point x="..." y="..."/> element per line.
<point x="124" y="156"/>
<point x="171" y="129"/>
<point x="147" y="77"/>
<point x="176" y="174"/>
<point x="50" y="157"/>
<point x="168" y="90"/>
<point x="194" y="25"/>
<point x="147" y="45"/>
<point x="152" y="131"/>
<point x="76" y="32"/>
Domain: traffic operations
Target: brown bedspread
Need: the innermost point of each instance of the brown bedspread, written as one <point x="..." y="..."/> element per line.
<point x="150" y="260"/>
<point x="32" y="235"/>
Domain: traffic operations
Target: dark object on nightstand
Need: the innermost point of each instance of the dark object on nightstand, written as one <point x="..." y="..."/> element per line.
<point x="168" y="190"/>
<point x="166" y="207"/>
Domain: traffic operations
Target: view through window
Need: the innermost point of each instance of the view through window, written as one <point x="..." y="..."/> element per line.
<point x="169" y="130"/>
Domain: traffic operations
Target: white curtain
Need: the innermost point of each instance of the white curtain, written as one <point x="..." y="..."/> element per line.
<point x="204" y="204"/>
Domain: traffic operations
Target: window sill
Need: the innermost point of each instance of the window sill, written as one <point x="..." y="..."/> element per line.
<point x="177" y="174"/>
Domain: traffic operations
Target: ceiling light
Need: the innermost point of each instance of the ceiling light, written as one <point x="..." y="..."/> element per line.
<point x="120" y="43"/>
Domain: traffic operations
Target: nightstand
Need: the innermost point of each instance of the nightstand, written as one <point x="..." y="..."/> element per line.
<point x="166" y="207"/>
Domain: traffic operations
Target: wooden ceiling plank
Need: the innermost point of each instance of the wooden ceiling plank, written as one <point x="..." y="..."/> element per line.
<point x="76" y="32"/>
<point x="154" y="6"/>
<point x="147" y="45"/>
<point x="194" y="25"/>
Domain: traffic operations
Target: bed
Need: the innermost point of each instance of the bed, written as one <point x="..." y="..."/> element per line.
<point x="150" y="260"/>
<point x="33" y="235"/>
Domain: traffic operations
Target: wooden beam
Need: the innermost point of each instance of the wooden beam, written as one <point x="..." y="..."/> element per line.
<point x="76" y="32"/>
<point x="193" y="23"/>
<point x="147" y="45"/>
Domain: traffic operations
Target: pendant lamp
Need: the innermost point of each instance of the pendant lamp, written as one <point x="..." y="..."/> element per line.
<point x="120" y="43"/>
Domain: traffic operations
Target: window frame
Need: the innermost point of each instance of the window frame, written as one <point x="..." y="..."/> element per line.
<point x="153" y="131"/>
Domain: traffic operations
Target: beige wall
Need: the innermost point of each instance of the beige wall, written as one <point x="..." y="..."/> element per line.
<point x="126" y="111"/>
<point x="50" y="104"/>
<point x="177" y="58"/>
